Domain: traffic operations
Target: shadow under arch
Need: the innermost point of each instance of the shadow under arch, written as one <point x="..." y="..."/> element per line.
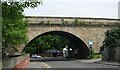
<point x="83" y="50"/>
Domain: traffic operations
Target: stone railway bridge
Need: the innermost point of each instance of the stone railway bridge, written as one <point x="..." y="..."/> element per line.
<point x="77" y="30"/>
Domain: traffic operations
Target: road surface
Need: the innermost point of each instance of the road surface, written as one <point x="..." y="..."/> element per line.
<point x="73" y="64"/>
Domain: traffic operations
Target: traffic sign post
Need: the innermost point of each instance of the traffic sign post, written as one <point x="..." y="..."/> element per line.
<point x="90" y="44"/>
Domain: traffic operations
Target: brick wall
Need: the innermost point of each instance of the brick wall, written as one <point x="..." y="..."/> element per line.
<point x="23" y="64"/>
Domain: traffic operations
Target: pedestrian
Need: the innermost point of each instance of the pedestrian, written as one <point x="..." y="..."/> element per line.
<point x="65" y="52"/>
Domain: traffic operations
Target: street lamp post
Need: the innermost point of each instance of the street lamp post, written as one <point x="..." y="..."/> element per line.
<point x="90" y="44"/>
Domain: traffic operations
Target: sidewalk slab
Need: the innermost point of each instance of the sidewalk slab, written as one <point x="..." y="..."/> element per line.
<point x="99" y="61"/>
<point x="109" y="63"/>
<point x="89" y="60"/>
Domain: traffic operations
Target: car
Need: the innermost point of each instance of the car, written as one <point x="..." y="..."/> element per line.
<point x="35" y="56"/>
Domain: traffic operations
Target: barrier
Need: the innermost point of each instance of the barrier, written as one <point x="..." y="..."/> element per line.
<point x="16" y="63"/>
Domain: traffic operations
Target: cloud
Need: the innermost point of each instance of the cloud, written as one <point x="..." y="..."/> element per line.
<point x="80" y="1"/>
<point x="75" y="8"/>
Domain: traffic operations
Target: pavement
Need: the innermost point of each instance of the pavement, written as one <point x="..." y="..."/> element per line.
<point x="89" y="60"/>
<point x="109" y="63"/>
<point x="99" y="61"/>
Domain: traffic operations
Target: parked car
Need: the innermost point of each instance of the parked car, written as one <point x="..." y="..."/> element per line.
<point x="35" y="56"/>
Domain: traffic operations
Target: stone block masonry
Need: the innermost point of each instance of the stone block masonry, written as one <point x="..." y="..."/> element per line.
<point x="16" y="63"/>
<point x="93" y="29"/>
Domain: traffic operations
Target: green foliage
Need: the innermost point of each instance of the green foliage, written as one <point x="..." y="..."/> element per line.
<point x="0" y="32"/>
<point x="64" y="21"/>
<point x="92" y="54"/>
<point x="76" y="22"/>
<point x="47" y="42"/>
<point x="112" y="38"/>
<point x="30" y="50"/>
<point x="14" y="26"/>
<point x="81" y="23"/>
<point x="48" y="22"/>
<point x="97" y="56"/>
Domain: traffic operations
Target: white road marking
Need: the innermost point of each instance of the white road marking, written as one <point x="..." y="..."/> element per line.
<point x="45" y="65"/>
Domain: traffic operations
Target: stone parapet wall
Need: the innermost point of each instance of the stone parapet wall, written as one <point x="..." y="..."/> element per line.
<point x="70" y="20"/>
<point x="16" y="62"/>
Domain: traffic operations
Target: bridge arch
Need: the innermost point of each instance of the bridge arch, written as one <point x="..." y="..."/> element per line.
<point x="78" y="43"/>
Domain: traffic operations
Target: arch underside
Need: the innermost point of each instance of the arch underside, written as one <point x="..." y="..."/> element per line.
<point x="83" y="51"/>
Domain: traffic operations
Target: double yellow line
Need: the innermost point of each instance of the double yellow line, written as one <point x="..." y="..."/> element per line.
<point x="44" y="65"/>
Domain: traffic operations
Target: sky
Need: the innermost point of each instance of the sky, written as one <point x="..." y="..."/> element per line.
<point x="76" y="8"/>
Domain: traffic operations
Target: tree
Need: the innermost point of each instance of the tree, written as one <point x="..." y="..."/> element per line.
<point x="112" y="38"/>
<point x="14" y="26"/>
<point x="47" y="42"/>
